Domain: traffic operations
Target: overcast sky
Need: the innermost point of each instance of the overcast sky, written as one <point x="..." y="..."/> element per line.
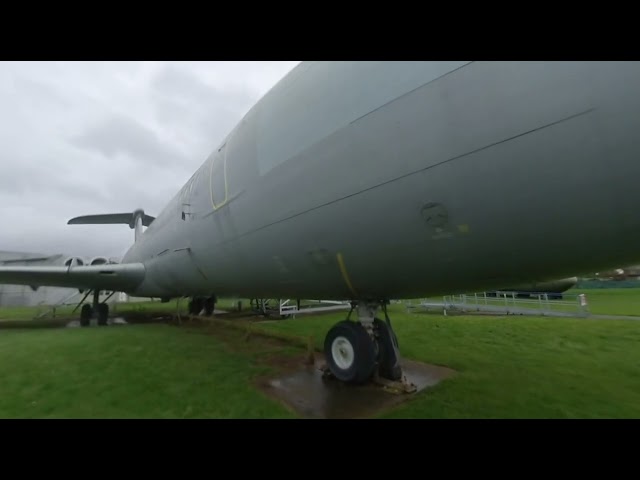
<point x="80" y="138"/>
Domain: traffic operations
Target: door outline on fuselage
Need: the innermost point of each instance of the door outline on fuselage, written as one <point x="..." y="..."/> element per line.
<point x="215" y="159"/>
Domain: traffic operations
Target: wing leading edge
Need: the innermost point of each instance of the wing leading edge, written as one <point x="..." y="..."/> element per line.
<point x="119" y="277"/>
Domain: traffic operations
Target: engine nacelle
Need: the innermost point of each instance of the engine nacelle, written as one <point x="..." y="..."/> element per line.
<point x="99" y="261"/>
<point x="75" y="261"/>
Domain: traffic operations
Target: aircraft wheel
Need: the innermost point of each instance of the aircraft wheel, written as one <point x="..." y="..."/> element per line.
<point x="195" y="306"/>
<point x="350" y="352"/>
<point x="103" y="313"/>
<point x="209" y="306"/>
<point x="85" y="315"/>
<point x="389" y="355"/>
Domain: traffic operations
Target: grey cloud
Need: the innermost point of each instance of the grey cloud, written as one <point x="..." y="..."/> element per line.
<point x="132" y="193"/>
<point x="39" y="94"/>
<point x="41" y="177"/>
<point x="121" y="134"/>
<point x="214" y="111"/>
<point x="183" y="85"/>
<point x="62" y="238"/>
<point x="79" y="138"/>
<point x="19" y="177"/>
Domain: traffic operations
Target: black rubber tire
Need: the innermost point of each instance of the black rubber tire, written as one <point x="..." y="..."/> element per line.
<point x="103" y="314"/>
<point x="195" y="306"/>
<point x="389" y="355"/>
<point x="364" y="352"/>
<point x="85" y="315"/>
<point x="209" y="306"/>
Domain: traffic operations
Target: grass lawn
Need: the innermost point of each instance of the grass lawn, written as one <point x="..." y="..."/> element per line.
<point x="612" y="301"/>
<point x="508" y="367"/>
<point x="29" y="313"/>
<point x="144" y="371"/>
<point x="514" y="367"/>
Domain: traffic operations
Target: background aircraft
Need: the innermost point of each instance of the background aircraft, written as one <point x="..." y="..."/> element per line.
<point x="632" y="272"/>
<point x="554" y="288"/>
<point x="24" y="295"/>
<point x="371" y="181"/>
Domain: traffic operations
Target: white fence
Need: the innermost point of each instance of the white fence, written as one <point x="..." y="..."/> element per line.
<point x="510" y="303"/>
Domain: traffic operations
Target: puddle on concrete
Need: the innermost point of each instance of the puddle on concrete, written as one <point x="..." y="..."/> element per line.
<point x="312" y="395"/>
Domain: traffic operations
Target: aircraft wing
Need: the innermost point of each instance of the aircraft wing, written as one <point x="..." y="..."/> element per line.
<point x="118" y="277"/>
<point x="29" y="259"/>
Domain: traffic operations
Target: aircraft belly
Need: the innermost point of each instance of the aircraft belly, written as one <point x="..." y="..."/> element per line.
<point x="510" y="187"/>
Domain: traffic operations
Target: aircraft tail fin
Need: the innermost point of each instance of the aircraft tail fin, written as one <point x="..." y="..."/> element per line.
<point x="136" y="220"/>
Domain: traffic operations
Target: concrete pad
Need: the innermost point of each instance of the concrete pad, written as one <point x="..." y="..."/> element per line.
<point x="313" y="395"/>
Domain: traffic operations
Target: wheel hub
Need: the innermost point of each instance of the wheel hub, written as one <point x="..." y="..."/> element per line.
<point x="342" y="352"/>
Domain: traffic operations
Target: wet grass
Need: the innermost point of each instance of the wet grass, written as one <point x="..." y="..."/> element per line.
<point x="29" y="313"/>
<point x="156" y="306"/>
<point x="612" y="301"/>
<point x="508" y="367"/>
<point x="514" y="367"/>
<point x="145" y="371"/>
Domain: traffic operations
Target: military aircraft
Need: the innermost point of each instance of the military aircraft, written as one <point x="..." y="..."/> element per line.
<point x="553" y="288"/>
<point x="370" y="181"/>
<point x="21" y="295"/>
<point x="618" y="274"/>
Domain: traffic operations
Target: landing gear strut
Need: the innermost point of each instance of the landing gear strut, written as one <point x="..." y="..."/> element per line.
<point x="101" y="310"/>
<point x="85" y="315"/>
<point x="197" y="304"/>
<point x="358" y="351"/>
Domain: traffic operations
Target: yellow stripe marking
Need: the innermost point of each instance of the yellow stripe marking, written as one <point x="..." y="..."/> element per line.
<point x="345" y="275"/>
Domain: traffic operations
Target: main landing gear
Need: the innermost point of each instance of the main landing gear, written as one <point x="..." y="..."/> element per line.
<point x="357" y="351"/>
<point x="198" y="304"/>
<point x="100" y="310"/>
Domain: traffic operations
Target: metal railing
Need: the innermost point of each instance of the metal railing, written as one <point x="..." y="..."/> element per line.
<point x="510" y="303"/>
<point x="289" y="307"/>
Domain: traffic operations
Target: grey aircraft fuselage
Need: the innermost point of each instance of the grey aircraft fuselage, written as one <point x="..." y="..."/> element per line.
<point x="405" y="179"/>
